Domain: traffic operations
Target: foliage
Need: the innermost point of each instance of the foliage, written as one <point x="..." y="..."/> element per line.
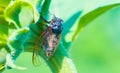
<point x="21" y="26"/>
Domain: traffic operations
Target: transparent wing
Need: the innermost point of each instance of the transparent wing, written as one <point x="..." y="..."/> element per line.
<point x="36" y="51"/>
<point x="57" y="41"/>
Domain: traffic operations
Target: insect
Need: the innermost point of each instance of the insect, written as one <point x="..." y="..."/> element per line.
<point x="49" y="39"/>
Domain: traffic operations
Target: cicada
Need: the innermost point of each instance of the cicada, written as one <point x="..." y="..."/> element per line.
<point x="49" y="39"/>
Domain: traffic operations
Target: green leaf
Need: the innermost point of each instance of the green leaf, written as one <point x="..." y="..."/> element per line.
<point x="17" y="38"/>
<point x="4" y="27"/>
<point x="4" y="3"/>
<point x="97" y="47"/>
<point x="1" y="10"/>
<point x="3" y="53"/>
<point x="3" y="22"/>
<point x="66" y="28"/>
<point x="21" y="13"/>
<point x="3" y="40"/>
<point x="91" y="16"/>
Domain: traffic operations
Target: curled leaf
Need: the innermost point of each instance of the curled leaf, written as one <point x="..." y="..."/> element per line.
<point x="91" y="16"/>
<point x="21" y="13"/>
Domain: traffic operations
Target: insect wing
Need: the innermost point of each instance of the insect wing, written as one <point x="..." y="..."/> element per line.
<point x="57" y="41"/>
<point x="36" y="51"/>
<point x="53" y="42"/>
<point x="36" y="58"/>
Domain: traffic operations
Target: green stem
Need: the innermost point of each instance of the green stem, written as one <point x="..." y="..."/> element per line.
<point x="45" y="8"/>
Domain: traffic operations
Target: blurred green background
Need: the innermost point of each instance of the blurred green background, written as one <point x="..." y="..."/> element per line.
<point x="97" y="47"/>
